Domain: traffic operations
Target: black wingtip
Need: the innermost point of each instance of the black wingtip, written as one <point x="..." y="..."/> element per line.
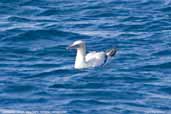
<point x="111" y="52"/>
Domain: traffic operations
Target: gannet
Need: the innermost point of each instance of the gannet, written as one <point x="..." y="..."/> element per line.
<point x="92" y="59"/>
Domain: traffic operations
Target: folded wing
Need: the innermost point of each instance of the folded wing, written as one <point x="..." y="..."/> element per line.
<point x="94" y="59"/>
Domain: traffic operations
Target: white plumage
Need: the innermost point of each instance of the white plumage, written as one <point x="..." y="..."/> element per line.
<point x="91" y="59"/>
<point x="95" y="58"/>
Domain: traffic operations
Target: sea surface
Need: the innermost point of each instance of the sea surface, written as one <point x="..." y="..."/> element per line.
<point x="37" y="73"/>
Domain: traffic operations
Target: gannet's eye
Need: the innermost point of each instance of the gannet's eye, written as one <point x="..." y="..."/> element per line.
<point x="73" y="46"/>
<point x="77" y="46"/>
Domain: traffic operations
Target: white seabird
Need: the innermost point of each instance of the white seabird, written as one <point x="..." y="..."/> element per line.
<point x="91" y="59"/>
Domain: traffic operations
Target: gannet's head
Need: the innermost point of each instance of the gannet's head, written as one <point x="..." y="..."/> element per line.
<point x="77" y="44"/>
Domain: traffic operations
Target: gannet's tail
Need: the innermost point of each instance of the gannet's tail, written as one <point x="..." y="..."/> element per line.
<point x="111" y="52"/>
<point x="108" y="54"/>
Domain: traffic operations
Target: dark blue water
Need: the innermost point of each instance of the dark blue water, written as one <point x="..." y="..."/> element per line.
<point x="36" y="71"/>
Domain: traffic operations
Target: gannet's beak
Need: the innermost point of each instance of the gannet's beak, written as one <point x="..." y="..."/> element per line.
<point x="72" y="47"/>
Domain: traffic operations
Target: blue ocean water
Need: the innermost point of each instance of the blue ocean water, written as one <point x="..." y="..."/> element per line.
<point x="36" y="71"/>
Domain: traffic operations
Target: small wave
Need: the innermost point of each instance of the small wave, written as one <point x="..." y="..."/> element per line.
<point x="33" y="35"/>
<point x="161" y="66"/>
<point x="163" y="53"/>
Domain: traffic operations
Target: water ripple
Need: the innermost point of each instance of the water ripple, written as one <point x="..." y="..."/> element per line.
<point x="37" y="71"/>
